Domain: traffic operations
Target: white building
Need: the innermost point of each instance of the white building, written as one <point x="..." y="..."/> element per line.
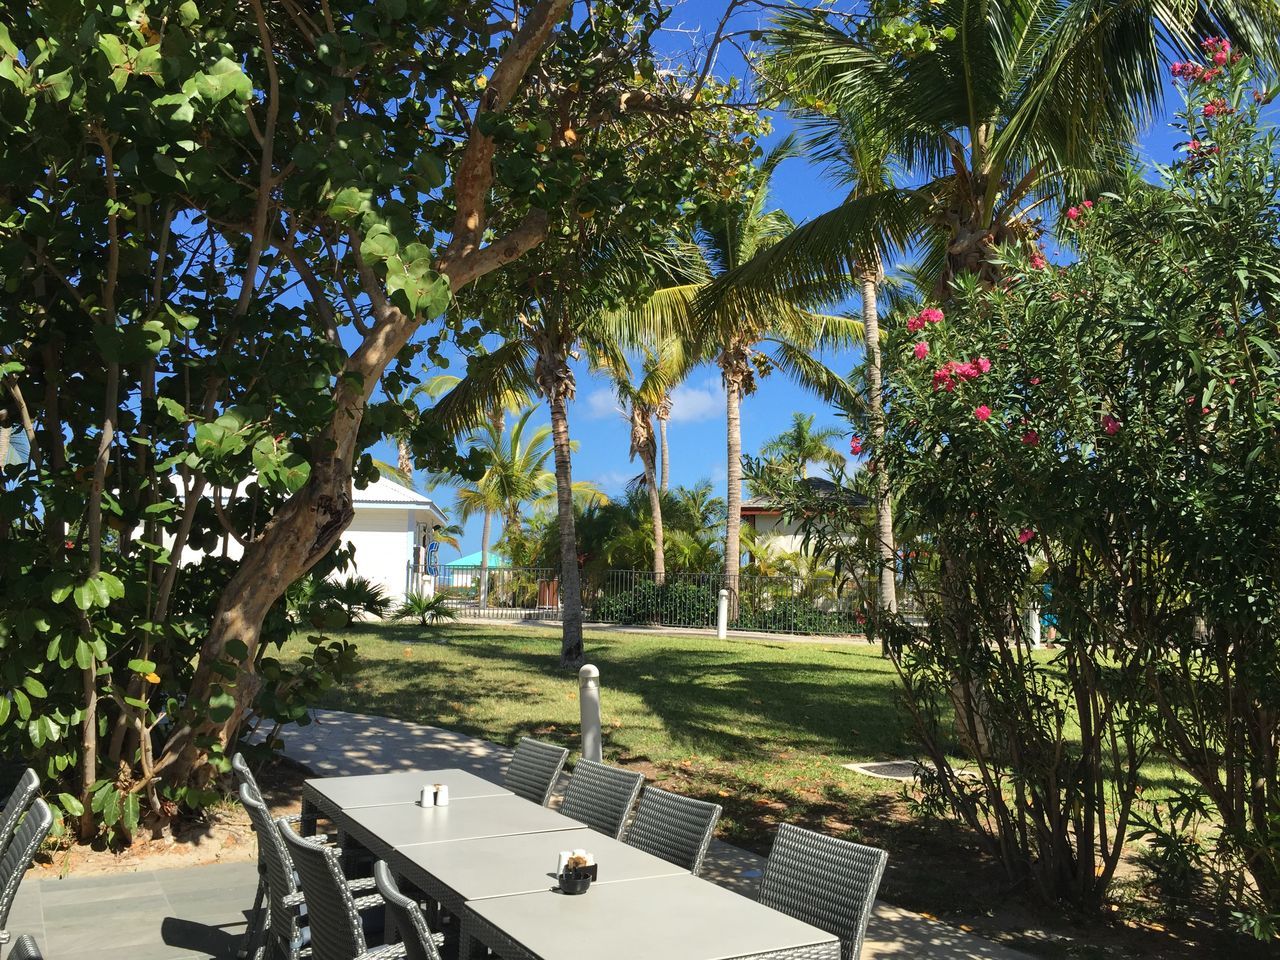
<point x="392" y="532"/>
<point x="392" y="536"/>
<point x="765" y="516"/>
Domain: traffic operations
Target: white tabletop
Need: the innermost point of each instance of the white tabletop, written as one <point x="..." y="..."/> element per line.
<point x="400" y="824"/>
<point x="504" y="866"/>
<point x="676" y="918"/>
<point x="375" y="790"/>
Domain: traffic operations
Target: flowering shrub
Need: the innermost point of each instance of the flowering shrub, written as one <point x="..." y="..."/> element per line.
<point x="1125" y="437"/>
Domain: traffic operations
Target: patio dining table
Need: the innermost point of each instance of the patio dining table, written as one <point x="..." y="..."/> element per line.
<point x="489" y="858"/>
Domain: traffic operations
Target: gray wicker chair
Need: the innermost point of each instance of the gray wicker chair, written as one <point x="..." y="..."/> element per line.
<point x="23" y="793"/>
<point x="600" y="796"/>
<point x="281" y="932"/>
<point x="416" y="936"/>
<point x="823" y="881"/>
<point x="534" y="769"/>
<point x="337" y="931"/>
<point x="19" y="853"/>
<point x="677" y="829"/>
<point x="24" y="948"/>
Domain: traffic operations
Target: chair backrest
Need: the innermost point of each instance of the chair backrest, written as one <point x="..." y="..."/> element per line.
<point x="824" y="881"/>
<point x="25" y="791"/>
<point x="534" y="769"/>
<point x="244" y="776"/>
<point x="20" y="851"/>
<point x="336" y="933"/>
<point x="281" y="882"/>
<point x="409" y="921"/>
<point x="24" y="948"/>
<point x="677" y="829"/>
<point x="600" y="796"/>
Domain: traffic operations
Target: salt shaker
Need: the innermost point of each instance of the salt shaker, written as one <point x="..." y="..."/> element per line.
<point x="442" y="794"/>
<point x="427" y="797"/>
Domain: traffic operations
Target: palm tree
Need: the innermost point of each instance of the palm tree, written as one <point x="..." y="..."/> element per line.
<point x="781" y="331"/>
<point x="800" y="444"/>
<point x="481" y="401"/>
<point x="856" y="157"/>
<point x="1008" y="107"/>
<point x="662" y="369"/>
<point x="515" y="474"/>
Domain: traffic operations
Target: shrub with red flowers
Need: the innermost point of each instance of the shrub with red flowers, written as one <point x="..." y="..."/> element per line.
<point x="1127" y="442"/>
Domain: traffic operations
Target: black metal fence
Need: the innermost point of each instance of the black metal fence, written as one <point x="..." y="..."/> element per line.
<point x="814" y="605"/>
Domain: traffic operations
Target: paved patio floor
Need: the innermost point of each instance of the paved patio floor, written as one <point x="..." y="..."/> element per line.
<point x="200" y="912"/>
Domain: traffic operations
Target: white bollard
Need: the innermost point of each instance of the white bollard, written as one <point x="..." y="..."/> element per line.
<point x="722" y="615"/>
<point x="1033" y="626"/>
<point x="589" y="705"/>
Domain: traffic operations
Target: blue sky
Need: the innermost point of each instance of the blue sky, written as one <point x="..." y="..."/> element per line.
<point x="697" y="431"/>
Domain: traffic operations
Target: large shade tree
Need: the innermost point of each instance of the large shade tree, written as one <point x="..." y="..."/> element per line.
<point x="229" y="232"/>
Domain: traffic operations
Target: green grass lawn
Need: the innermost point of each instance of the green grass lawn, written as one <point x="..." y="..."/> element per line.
<point x="760" y="727"/>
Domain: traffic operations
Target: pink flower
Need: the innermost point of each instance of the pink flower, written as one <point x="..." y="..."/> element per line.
<point x="915" y="325"/>
<point x="1073" y="213"/>
<point x="983" y="364"/>
<point x="931" y="315"/>
<point x="855" y="445"/>
<point x="983" y="413"/>
<point x="1110" y="424"/>
<point x="1035" y="381"/>
<point x="1026" y="536"/>
<point x="1031" y="438"/>
<point x="1088" y="204"/>
<point x="922" y="349"/>
<point x="1038" y="262"/>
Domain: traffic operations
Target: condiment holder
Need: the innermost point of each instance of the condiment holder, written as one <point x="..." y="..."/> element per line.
<point x="434" y="795"/>
<point x="575" y="869"/>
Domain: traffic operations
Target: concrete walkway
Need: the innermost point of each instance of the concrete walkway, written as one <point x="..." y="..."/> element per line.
<point x="200" y="912"/>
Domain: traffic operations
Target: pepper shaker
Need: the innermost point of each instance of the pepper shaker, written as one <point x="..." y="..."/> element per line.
<point x="427" y="798"/>
<point x="442" y="794"/>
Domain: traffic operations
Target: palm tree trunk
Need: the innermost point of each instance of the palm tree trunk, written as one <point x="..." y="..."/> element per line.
<point x="404" y="461"/>
<point x="887" y="595"/>
<point x="733" y="498"/>
<point x="664" y="413"/>
<point x="486" y="531"/>
<point x="655" y="507"/>
<point x="571" y="653"/>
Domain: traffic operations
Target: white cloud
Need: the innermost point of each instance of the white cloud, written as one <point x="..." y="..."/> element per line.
<point x="690" y="403"/>
<point x="600" y="404"/>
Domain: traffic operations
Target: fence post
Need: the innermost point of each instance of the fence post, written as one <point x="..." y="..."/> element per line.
<point x="589" y="705"/>
<point x="722" y="615"/>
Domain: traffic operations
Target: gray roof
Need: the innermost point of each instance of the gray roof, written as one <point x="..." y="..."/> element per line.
<point x="820" y="486"/>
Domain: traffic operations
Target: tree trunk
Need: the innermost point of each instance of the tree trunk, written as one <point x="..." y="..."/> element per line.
<point x="655" y="507"/>
<point x="887" y="593"/>
<point x="664" y="414"/>
<point x="486" y="531"/>
<point x="404" y="461"/>
<point x="733" y="468"/>
<point x="571" y="652"/>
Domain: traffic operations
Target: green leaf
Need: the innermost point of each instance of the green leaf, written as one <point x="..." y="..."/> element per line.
<point x="188" y="13"/>
<point x="379" y="244"/>
<point x="142" y="666"/>
<point x="34" y="687"/>
<point x="221" y="706"/>
<point x="59" y="84"/>
<point x="224" y="79"/>
<point x="349" y="201"/>
<point x="4" y="710"/>
<point x="113" y="49"/>
<point x="111" y="807"/>
<point x="84" y="654"/>
<point x="70" y="804"/>
<point x="22" y="703"/>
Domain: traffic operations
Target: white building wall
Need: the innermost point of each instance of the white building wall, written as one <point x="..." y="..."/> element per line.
<point x="383" y="540"/>
<point x="785" y="536"/>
